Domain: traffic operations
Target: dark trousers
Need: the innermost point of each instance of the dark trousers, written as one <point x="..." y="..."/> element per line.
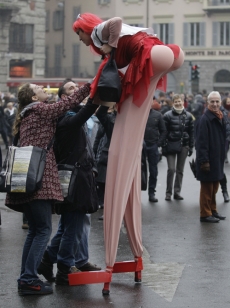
<point x="69" y="245"/>
<point x="153" y="158"/>
<point x="39" y="215"/>
<point x="176" y="164"/>
<point x="101" y="192"/>
<point x="208" y="192"/>
<point x="223" y="184"/>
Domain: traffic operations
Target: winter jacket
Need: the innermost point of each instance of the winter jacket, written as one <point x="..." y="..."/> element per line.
<point x="173" y="123"/>
<point x="107" y="120"/>
<point x="155" y="131"/>
<point x="71" y="142"/>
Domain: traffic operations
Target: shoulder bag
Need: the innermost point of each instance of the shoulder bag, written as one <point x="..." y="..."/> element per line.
<point x="109" y="84"/>
<point x="23" y="168"/>
<point x="78" y="183"/>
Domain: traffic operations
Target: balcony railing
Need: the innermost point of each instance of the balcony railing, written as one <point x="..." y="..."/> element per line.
<point x="21" y="47"/>
<point x="216" y="6"/>
<point x="218" y="2"/>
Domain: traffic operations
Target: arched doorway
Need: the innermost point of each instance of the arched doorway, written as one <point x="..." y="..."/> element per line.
<point x="222" y="81"/>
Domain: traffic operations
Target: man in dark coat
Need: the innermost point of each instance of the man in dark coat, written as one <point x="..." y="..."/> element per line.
<point x="69" y="247"/>
<point x="210" y="155"/>
<point x="155" y="134"/>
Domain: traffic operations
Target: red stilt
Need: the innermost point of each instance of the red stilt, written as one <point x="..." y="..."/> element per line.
<point x="105" y="290"/>
<point x="105" y="276"/>
<point x="89" y="277"/>
<point x="130" y="266"/>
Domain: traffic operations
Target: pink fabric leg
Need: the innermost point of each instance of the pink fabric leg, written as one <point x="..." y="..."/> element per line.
<point x="123" y="190"/>
<point x="132" y="216"/>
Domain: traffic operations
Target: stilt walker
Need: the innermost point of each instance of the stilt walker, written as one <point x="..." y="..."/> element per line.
<point x="147" y="61"/>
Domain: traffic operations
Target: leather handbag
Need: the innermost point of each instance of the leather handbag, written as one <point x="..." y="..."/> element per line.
<point x="78" y="183"/>
<point x="23" y="169"/>
<point x="109" y="84"/>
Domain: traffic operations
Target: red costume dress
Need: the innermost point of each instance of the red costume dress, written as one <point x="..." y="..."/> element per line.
<point x="134" y="51"/>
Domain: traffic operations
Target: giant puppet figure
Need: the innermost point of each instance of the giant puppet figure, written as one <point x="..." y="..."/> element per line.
<point x="148" y="60"/>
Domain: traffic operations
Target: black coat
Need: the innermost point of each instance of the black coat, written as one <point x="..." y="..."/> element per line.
<point x="155" y="131"/>
<point x="210" y="147"/>
<point x="107" y="120"/>
<point x="173" y="123"/>
<point x="70" y="142"/>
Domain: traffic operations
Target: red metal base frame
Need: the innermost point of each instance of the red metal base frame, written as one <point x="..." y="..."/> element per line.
<point x="105" y="276"/>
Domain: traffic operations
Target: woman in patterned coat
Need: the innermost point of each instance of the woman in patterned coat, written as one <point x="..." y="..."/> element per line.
<point x="36" y="123"/>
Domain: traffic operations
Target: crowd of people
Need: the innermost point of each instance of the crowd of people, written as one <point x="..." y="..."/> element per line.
<point x="97" y="123"/>
<point x="113" y="153"/>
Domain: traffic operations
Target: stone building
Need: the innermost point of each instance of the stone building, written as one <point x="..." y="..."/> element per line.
<point x="22" y="41"/>
<point x="200" y="27"/>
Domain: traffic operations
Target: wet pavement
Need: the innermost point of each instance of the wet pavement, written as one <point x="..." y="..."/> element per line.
<point x="186" y="263"/>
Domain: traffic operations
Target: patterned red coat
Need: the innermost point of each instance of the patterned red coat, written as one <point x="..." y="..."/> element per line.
<point x="37" y="128"/>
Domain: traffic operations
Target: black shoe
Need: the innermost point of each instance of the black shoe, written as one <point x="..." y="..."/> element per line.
<point x="20" y="283"/>
<point x="101" y="218"/>
<point x="152" y="198"/>
<point x="178" y="197"/>
<point x="89" y="267"/>
<point x="217" y="215"/>
<point x="226" y="196"/>
<point x="209" y="219"/>
<point x="168" y="198"/>
<point x="37" y="287"/>
<point x="46" y="267"/>
<point x="63" y="272"/>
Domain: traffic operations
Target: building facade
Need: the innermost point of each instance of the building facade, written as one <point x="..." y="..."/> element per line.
<point x="200" y="27"/>
<point x="22" y="41"/>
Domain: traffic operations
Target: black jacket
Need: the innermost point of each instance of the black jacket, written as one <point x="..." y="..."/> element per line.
<point x="70" y="141"/>
<point x="155" y="131"/>
<point x="173" y="123"/>
<point x="210" y="147"/>
<point x="227" y="121"/>
<point x="107" y="120"/>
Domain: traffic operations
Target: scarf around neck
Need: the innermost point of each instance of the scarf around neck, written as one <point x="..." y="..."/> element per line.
<point x="218" y="113"/>
<point x="28" y="107"/>
<point x="179" y="111"/>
